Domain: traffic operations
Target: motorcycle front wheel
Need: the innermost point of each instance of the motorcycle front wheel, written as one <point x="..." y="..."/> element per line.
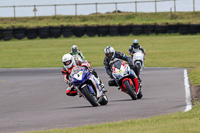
<point x="130" y="90"/>
<point x="90" y="96"/>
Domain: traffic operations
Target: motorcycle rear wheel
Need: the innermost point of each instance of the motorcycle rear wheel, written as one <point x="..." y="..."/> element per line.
<point x="130" y="90"/>
<point x="89" y="96"/>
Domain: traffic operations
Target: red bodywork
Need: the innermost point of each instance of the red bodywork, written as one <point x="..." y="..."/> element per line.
<point x="123" y="87"/>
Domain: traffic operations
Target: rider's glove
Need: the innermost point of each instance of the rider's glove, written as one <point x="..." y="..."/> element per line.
<point x="68" y="82"/>
<point x="86" y="65"/>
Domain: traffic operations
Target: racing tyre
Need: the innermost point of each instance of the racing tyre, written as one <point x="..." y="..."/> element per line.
<point x="140" y="95"/>
<point x="90" y="96"/>
<point x="104" y="100"/>
<point x="130" y="90"/>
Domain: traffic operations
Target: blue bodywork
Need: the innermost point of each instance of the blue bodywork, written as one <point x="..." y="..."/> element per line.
<point x="85" y="75"/>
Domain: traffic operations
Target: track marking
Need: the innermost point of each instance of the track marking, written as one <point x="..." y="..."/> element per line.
<point x="187" y="91"/>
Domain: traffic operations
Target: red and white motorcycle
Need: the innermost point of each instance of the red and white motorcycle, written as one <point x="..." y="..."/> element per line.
<point x="123" y="76"/>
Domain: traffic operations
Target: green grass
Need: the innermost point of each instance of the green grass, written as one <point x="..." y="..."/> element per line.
<point x="162" y="51"/>
<point x="173" y="123"/>
<point x="104" y="19"/>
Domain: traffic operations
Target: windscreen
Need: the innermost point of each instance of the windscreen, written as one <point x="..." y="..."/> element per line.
<point x="117" y="64"/>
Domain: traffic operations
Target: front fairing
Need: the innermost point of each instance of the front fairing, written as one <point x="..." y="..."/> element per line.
<point x="79" y="75"/>
<point x="138" y="56"/>
<point x="119" y="70"/>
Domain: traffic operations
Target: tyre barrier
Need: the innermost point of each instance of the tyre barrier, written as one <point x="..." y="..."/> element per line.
<point x="19" y="33"/>
<point x="102" y="30"/>
<point x="43" y="32"/>
<point x="137" y="29"/>
<point x="67" y="31"/>
<point x="160" y="29"/>
<point x="194" y="29"/>
<point x="7" y="34"/>
<point x="125" y="30"/>
<point x="0" y="34"/>
<point x="183" y="29"/>
<point x="55" y="32"/>
<point x="172" y="29"/>
<point x="91" y="31"/>
<point x="32" y="33"/>
<point x="113" y="30"/>
<point x="79" y="31"/>
<point x="148" y="29"/>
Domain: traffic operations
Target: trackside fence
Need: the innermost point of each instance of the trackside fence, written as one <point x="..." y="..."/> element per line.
<point x="75" y="7"/>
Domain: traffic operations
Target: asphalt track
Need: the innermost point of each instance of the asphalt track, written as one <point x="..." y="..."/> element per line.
<point x="34" y="99"/>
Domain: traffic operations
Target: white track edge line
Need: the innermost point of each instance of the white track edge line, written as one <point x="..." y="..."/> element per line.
<point x="187" y="91"/>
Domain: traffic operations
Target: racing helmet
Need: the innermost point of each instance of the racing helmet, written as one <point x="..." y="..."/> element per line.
<point x="68" y="60"/>
<point x="74" y="49"/>
<point x="135" y="43"/>
<point x="109" y="52"/>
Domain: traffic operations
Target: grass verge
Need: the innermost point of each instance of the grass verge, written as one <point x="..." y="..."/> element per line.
<point x="104" y="19"/>
<point x="173" y="123"/>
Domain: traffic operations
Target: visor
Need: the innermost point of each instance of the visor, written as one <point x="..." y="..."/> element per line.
<point x="67" y="62"/>
<point x="109" y="55"/>
<point x="74" y="50"/>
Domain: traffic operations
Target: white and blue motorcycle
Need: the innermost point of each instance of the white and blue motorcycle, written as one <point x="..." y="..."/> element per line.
<point x="88" y="86"/>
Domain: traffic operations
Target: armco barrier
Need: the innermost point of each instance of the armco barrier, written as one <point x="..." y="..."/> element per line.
<point x="32" y="33"/>
<point x="79" y="31"/>
<point x="43" y="32"/>
<point x="113" y="30"/>
<point x="67" y="31"/>
<point x="55" y="32"/>
<point x="19" y="33"/>
<point x="91" y="31"/>
<point x="7" y="34"/>
<point x="137" y="29"/>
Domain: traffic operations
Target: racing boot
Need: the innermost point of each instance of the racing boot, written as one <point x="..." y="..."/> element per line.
<point x="70" y="91"/>
<point x="102" y="86"/>
<point x="139" y="79"/>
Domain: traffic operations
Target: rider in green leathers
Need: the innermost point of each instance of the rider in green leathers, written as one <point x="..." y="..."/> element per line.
<point x="75" y="51"/>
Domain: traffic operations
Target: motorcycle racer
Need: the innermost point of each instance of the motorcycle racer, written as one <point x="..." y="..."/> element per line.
<point x="110" y="56"/>
<point x="134" y="47"/>
<point x="69" y="64"/>
<point x="75" y="51"/>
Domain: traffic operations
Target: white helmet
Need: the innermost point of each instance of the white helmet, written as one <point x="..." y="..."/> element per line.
<point x="109" y="52"/>
<point x="74" y="49"/>
<point x="68" y="60"/>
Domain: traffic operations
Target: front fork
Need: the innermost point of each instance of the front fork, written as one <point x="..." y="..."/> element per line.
<point x="136" y="83"/>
